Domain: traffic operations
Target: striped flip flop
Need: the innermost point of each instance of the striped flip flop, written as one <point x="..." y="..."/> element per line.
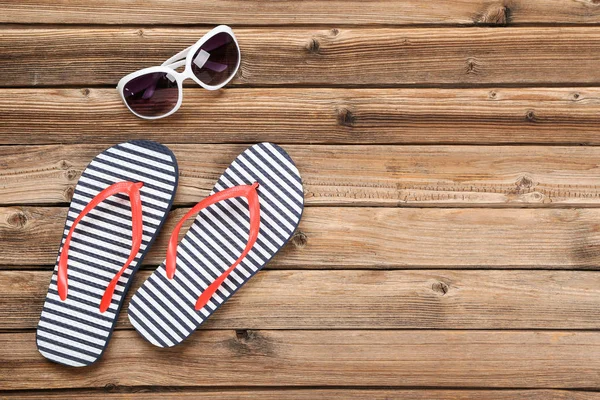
<point x="252" y="212"/>
<point x="119" y="205"/>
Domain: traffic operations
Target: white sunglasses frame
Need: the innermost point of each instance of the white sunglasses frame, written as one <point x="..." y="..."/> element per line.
<point x="175" y="62"/>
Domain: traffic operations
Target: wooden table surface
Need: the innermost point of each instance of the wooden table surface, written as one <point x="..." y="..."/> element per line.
<point x="449" y="151"/>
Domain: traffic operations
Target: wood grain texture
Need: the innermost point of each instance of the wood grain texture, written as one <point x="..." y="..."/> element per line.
<point x="426" y="265"/>
<point x="314" y="57"/>
<point x="332" y="237"/>
<point x="321" y="358"/>
<point x="354" y="116"/>
<point x="415" y="176"/>
<point x="115" y="392"/>
<point x="347" y="299"/>
<point x="406" y="12"/>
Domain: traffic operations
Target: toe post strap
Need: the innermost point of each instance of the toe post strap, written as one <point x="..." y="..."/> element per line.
<point x="133" y="191"/>
<point x="251" y="194"/>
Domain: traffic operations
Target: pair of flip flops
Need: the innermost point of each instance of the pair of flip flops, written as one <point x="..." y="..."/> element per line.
<point x="119" y="206"/>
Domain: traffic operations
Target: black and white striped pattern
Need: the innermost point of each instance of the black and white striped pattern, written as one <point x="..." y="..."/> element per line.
<point x="74" y="332"/>
<point x="162" y="310"/>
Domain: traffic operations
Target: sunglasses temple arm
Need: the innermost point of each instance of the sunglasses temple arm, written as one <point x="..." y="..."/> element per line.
<point x="175" y="65"/>
<point x="182" y="54"/>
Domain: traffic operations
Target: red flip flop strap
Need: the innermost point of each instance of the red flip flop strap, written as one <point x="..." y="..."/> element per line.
<point x="247" y="191"/>
<point x="133" y="191"/>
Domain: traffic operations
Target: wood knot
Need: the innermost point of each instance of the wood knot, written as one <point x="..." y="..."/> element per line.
<point x="85" y="92"/>
<point x="313" y="46"/>
<point x="345" y="117"/>
<point x="68" y="193"/>
<point x="524" y="183"/>
<point x="440" y="288"/>
<point x="111" y="387"/>
<point x="335" y="32"/>
<point x="495" y="15"/>
<point x="63" y="164"/>
<point x="537" y="196"/>
<point x="249" y="342"/>
<point x="530" y="116"/>
<point x="239" y="76"/>
<point x="72" y="174"/>
<point x="493" y="94"/>
<point x="17" y="220"/>
<point x="472" y="66"/>
<point x="243" y="334"/>
<point x="576" y="96"/>
<point x="299" y="239"/>
<point x="140" y="32"/>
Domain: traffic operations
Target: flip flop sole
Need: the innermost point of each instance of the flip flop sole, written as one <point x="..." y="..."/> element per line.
<point x="163" y="310"/>
<point x="74" y="332"/>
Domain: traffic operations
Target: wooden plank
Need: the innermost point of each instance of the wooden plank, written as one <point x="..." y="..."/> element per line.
<point x="357" y="116"/>
<point x="312" y="56"/>
<point x="332" y="237"/>
<point x="346" y="175"/>
<point x="406" y="12"/>
<point x="368" y="299"/>
<point x="308" y="394"/>
<point x="492" y="359"/>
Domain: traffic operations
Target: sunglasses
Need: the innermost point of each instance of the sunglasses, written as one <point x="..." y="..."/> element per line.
<point x="157" y="92"/>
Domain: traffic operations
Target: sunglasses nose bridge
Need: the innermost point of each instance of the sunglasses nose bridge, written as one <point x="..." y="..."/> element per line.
<point x="179" y="76"/>
<point x="187" y="73"/>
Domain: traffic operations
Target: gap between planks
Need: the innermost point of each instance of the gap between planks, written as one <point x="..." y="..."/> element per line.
<point x="307" y="393"/>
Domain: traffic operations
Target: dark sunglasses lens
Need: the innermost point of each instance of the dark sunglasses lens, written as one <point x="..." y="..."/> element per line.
<point x="152" y="95"/>
<point x="216" y="60"/>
